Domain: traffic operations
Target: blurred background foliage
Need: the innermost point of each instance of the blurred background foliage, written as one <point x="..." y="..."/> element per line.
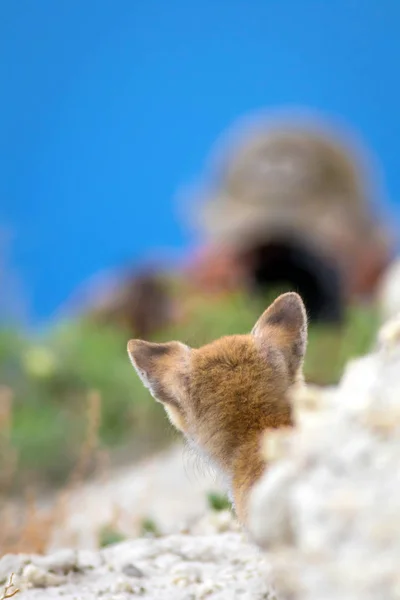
<point x="50" y="377"/>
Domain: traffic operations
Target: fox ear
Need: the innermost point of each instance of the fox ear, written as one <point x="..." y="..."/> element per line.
<point x="284" y="323"/>
<point x="161" y="367"/>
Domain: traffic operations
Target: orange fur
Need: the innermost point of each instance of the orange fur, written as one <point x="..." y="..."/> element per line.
<point x="223" y="396"/>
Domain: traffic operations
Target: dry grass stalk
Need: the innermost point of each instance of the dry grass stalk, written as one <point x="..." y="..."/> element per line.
<point x="10" y="590"/>
<point x="8" y="454"/>
<point x="91" y="443"/>
<point x="26" y="528"/>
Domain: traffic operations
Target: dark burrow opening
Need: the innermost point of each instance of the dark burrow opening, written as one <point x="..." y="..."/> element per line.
<point x="292" y="265"/>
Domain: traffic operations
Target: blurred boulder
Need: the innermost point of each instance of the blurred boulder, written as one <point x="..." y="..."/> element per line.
<point x="327" y="509"/>
<point x="292" y="203"/>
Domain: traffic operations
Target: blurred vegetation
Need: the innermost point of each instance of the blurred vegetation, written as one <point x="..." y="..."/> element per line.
<point x="149" y="528"/>
<point x="51" y="376"/>
<point x="218" y="501"/>
<point x="109" y="536"/>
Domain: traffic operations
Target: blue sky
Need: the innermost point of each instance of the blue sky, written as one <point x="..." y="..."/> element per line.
<point x="109" y="107"/>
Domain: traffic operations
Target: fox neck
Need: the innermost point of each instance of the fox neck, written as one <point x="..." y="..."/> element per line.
<point x="237" y="470"/>
<point x="247" y="467"/>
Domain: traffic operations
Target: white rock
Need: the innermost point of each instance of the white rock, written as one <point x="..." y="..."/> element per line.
<point x="329" y="506"/>
<point x="220" y="566"/>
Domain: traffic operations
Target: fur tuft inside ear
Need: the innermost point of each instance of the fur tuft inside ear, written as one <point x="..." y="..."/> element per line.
<point x="284" y="323"/>
<point x="160" y="367"/>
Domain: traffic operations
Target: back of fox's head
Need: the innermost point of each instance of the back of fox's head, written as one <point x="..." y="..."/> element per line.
<point x="221" y="393"/>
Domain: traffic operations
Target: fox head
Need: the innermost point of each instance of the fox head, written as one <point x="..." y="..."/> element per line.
<point x="222" y="395"/>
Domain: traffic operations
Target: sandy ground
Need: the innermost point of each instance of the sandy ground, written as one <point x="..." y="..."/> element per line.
<point x="199" y="554"/>
<point x="169" y="488"/>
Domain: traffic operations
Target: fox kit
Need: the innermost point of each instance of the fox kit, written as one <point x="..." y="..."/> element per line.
<point x="223" y="396"/>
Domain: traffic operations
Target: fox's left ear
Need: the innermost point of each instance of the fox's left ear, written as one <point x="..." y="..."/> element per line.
<point x="284" y="323"/>
<point x="162" y="368"/>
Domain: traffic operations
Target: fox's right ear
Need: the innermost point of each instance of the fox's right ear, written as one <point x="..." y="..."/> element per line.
<point x="284" y="323"/>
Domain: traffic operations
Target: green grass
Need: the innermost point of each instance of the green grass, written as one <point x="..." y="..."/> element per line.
<point x="109" y="536"/>
<point x="148" y="527"/>
<point x="51" y="378"/>
<point x="218" y="502"/>
<point x="330" y="348"/>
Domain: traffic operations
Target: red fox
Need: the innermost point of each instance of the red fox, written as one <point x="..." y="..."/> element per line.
<point x="224" y="395"/>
